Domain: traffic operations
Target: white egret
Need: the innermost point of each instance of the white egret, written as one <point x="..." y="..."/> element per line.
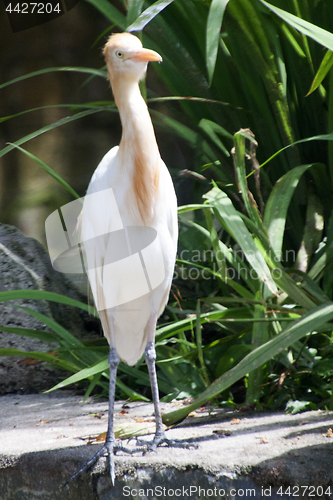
<point x="129" y="230"/>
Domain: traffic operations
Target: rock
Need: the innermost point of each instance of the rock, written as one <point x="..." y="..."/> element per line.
<point x="255" y="455"/>
<point x="25" y="265"/>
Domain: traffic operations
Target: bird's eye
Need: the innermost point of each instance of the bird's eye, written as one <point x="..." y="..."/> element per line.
<point x="119" y="54"/>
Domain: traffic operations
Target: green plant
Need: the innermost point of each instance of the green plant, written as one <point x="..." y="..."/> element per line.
<point x="258" y="309"/>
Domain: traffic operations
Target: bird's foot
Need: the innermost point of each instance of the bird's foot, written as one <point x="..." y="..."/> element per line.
<point x="109" y="448"/>
<point x="161" y="439"/>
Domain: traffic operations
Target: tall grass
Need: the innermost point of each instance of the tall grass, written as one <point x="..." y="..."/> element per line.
<point x="250" y="91"/>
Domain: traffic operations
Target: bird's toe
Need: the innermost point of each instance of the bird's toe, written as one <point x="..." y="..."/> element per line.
<point x="171" y="443"/>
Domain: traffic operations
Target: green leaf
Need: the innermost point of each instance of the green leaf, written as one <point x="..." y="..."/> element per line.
<point x="89" y="71"/>
<point x="241" y="235"/>
<point x="223" y="251"/>
<point x="50" y="171"/>
<point x="313" y="231"/>
<point x="47" y="128"/>
<point x="53" y="325"/>
<point x="41" y="356"/>
<point x="134" y="9"/>
<point x="214" y="24"/>
<point x="44" y="295"/>
<point x="310" y="287"/>
<point x="323" y="137"/>
<point x="309" y="322"/>
<point x="110" y="12"/>
<point x="182" y="325"/>
<point x="260" y="335"/>
<point x="68" y="106"/>
<point x="190" y="208"/>
<point x="34" y="334"/>
<point x="99" y="367"/>
<point x="239" y="162"/>
<point x="199" y="344"/>
<point x="277" y="206"/>
<point x="217" y="246"/>
<point x="212" y="130"/>
<point x="148" y="15"/>
<point x="320" y="35"/>
<point x="296" y="406"/>
<point x="324" y="68"/>
<point x="177" y="127"/>
<point x="103" y="368"/>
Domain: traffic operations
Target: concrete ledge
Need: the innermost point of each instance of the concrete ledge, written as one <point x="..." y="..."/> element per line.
<point x="43" y="440"/>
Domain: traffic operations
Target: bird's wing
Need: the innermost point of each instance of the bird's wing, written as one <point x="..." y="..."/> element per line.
<point x="130" y="267"/>
<point x="98" y="218"/>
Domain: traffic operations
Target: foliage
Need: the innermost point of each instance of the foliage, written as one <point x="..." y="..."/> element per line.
<point x="251" y="307"/>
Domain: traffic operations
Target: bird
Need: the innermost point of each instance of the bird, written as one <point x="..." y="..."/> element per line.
<point x="128" y="229"/>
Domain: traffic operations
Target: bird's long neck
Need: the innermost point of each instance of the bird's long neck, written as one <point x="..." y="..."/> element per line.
<point x="138" y="148"/>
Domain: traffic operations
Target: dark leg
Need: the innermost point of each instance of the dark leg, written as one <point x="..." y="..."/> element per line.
<point x="150" y="355"/>
<point x="110" y="439"/>
<point x="110" y="443"/>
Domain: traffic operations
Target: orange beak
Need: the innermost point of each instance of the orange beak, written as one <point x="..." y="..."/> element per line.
<point x="145" y="55"/>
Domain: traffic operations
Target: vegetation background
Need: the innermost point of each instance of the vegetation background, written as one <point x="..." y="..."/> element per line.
<point x="242" y="106"/>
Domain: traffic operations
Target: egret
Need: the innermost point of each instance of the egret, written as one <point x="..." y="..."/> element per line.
<point x="129" y="231"/>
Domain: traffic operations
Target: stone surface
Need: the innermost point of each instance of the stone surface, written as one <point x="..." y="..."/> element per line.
<point x="25" y="265"/>
<point x="240" y="455"/>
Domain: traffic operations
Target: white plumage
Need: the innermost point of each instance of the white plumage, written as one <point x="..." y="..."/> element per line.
<point x="129" y="226"/>
<point x="144" y="198"/>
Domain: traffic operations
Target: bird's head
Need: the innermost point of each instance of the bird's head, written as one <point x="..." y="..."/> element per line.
<point x="126" y="58"/>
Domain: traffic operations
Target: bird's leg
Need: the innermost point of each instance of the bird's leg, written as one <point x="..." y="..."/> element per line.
<point x="110" y="439"/>
<point x="150" y="355"/>
<point x="110" y="446"/>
